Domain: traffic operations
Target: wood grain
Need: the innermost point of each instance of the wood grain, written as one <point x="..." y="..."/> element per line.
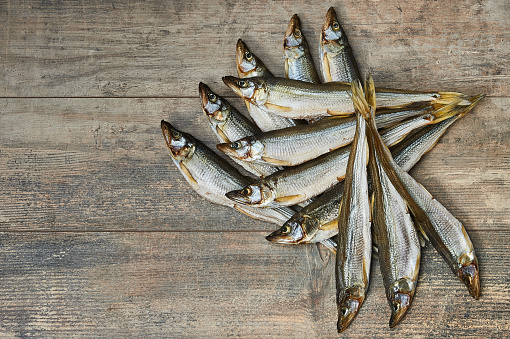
<point x="82" y="164"/>
<point x="199" y="285"/>
<point x="164" y="48"/>
<point x="102" y="237"/>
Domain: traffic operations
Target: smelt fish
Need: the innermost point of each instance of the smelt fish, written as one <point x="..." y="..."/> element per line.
<point x="248" y="66"/>
<point x="337" y="61"/>
<point x="354" y="249"/>
<point x="298" y="100"/>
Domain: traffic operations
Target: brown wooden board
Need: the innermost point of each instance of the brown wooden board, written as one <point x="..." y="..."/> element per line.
<point x="219" y="285"/>
<point x="102" y="237"/>
<point x="164" y="48"/>
<point x="102" y="164"/>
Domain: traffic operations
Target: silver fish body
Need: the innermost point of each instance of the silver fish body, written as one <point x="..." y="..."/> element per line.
<point x="444" y="231"/>
<point x="249" y="65"/>
<point x="292" y="146"/>
<point x="297" y="99"/>
<point x="398" y="245"/>
<point x="211" y="176"/>
<point x="317" y="221"/>
<point x="298" y="60"/>
<point x="228" y="124"/>
<point x="337" y="61"/>
<point x="354" y="249"/>
<point x="294" y="185"/>
<point x="297" y="184"/>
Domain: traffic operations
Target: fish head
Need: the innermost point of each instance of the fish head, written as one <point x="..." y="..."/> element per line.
<point x="290" y="233"/>
<point x="400" y="294"/>
<point x="257" y="194"/>
<point x="181" y="145"/>
<point x="251" y="89"/>
<point x="348" y="303"/>
<point x="213" y="105"/>
<point x="294" y="44"/>
<point x="469" y="274"/>
<point x="248" y="65"/>
<point x="333" y="38"/>
<point x="247" y="149"/>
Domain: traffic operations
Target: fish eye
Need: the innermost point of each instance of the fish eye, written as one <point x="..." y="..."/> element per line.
<point x="248" y="56"/>
<point x="297" y="33"/>
<point x="236" y="145"/>
<point x="246" y="191"/>
<point x="286" y="229"/>
<point x="176" y="134"/>
<point x="345" y="311"/>
<point x="243" y="84"/>
<point x="335" y="25"/>
<point x="212" y="97"/>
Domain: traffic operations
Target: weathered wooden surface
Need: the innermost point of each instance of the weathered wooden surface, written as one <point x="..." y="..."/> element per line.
<point x="164" y="48"/>
<point x="200" y="285"/>
<point x="102" y="236"/>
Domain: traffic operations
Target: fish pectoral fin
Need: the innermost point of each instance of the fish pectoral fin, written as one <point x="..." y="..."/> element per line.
<point x="291" y="199"/>
<point x="325" y="69"/>
<point x="276" y="162"/>
<point x="242" y="210"/>
<point x="188" y="175"/>
<point x="331" y="112"/>
<point x="277" y="108"/>
<point x="422" y="240"/>
<point x="330" y="225"/>
<point x="222" y="135"/>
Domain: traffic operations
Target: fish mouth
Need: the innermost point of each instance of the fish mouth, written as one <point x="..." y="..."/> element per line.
<point x="237" y="196"/>
<point x="399" y="306"/>
<point x="330" y="18"/>
<point x="348" y="307"/>
<point x="293" y="25"/>
<point x="225" y="148"/>
<point x="291" y="40"/>
<point x="166" y="128"/>
<point x="204" y="93"/>
<point x="470" y="276"/>
<point x="231" y="82"/>
<point x="241" y="48"/>
<point x="279" y="238"/>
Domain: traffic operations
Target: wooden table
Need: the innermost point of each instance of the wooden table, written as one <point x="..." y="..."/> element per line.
<point x="102" y="237"/>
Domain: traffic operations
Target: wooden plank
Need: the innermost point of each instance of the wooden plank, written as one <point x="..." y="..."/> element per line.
<point x="219" y="285"/>
<point x="164" y="48"/>
<point x="83" y="164"/>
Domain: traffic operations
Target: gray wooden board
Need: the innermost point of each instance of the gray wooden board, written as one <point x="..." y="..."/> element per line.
<point x="221" y="285"/>
<point x="83" y="164"/>
<point x="102" y="237"/>
<point x="164" y="48"/>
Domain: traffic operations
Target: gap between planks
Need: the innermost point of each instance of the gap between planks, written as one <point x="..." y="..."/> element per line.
<point x="180" y="231"/>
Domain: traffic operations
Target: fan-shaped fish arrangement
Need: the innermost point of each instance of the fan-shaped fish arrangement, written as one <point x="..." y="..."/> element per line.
<point x="318" y="148"/>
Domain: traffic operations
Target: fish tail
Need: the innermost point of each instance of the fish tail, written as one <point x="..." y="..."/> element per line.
<point x="370" y="94"/>
<point x="446" y="112"/>
<point x="446" y="98"/>
<point x="473" y="102"/>
<point x="359" y="101"/>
